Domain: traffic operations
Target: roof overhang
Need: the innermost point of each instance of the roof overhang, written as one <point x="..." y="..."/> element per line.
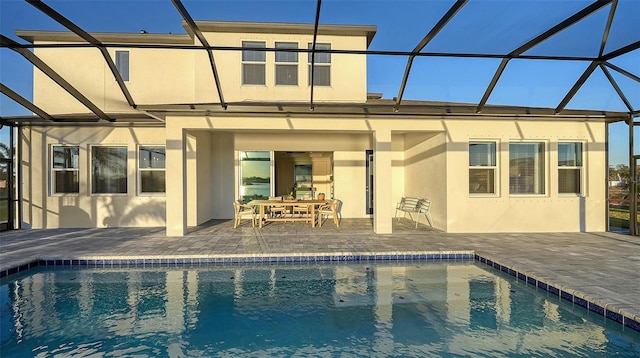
<point x="34" y="36"/>
<point x="285" y="28"/>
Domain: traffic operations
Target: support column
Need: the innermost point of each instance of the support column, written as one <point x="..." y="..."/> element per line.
<point x="176" y="172"/>
<point x="633" y="182"/>
<point x="382" y="216"/>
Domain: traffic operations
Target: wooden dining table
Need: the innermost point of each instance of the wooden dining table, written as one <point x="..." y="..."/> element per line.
<point x="262" y="204"/>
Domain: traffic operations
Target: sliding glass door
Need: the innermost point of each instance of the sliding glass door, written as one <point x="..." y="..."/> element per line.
<point x="255" y="175"/>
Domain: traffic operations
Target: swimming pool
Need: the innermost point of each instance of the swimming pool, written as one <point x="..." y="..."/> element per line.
<point x="404" y="309"/>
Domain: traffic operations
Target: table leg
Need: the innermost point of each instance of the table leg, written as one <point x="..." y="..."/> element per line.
<point x="313" y="215"/>
<point x="261" y="215"/>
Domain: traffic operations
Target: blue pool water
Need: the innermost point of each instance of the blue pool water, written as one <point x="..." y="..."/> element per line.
<point x="398" y="309"/>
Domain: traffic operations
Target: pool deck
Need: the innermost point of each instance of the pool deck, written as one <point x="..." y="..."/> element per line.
<point x="601" y="268"/>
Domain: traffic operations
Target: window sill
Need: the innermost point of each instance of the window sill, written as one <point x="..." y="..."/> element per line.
<point x="477" y="195"/>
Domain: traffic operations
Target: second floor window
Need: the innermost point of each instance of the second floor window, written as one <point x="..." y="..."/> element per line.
<point x="286" y="64"/>
<point x="569" y="168"/>
<point x="122" y="64"/>
<point x="322" y="66"/>
<point x="253" y="63"/>
<point x="65" y="170"/>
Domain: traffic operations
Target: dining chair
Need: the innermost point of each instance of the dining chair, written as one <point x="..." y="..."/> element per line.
<point x="330" y="209"/>
<point x="300" y="210"/>
<point x="277" y="210"/>
<point x="241" y="211"/>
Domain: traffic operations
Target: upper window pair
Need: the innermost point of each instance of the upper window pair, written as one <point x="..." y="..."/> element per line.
<point x="526" y="167"/>
<point x="286" y="64"/>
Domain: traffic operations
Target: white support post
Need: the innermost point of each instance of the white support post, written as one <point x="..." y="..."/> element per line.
<point x="382" y="196"/>
<point x="176" y="172"/>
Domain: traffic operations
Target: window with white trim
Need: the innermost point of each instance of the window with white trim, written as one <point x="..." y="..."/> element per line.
<point x="122" y="64"/>
<point x="65" y="169"/>
<point x="322" y="65"/>
<point x="526" y="168"/>
<point x="151" y="169"/>
<point x="570" y="168"/>
<point x="109" y="170"/>
<point x="253" y="63"/>
<point x="286" y="64"/>
<point x="482" y="167"/>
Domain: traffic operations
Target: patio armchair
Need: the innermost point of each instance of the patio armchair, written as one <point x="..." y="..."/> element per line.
<point x="241" y="211"/>
<point x="327" y="210"/>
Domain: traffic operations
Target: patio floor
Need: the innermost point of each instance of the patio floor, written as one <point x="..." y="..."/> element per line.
<point x="602" y="268"/>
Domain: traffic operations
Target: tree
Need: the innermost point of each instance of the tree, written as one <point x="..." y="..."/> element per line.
<point x="620" y="170"/>
<point x="4" y="151"/>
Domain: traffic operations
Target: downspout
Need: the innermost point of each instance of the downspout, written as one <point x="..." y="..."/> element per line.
<point x="633" y="196"/>
<point x="18" y="169"/>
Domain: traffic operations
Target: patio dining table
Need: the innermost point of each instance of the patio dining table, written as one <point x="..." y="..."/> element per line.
<point x="311" y="204"/>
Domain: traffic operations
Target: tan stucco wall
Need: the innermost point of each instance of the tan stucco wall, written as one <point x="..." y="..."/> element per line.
<point x="156" y="76"/>
<point x="42" y="210"/>
<point x="166" y="76"/>
<point x="526" y="213"/>
<point x="426" y="159"/>
<point x="425" y="166"/>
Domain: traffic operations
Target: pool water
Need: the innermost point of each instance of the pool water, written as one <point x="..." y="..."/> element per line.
<point x="390" y="309"/>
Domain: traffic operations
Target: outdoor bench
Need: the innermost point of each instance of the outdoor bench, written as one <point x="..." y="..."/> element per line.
<point x="412" y="205"/>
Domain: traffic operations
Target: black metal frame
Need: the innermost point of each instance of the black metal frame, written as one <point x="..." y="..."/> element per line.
<point x="11" y="198"/>
<point x="600" y="61"/>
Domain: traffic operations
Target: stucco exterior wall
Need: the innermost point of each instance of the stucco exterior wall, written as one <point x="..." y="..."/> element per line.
<point x="43" y="210"/>
<point x="548" y="212"/>
<point x="178" y="76"/>
<point x="431" y="161"/>
<point x="425" y="166"/>
<point x="156" y="76"/>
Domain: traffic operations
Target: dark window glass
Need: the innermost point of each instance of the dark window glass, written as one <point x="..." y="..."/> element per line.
<point x="320" y="57"/>
<point x="151" y="165"/>
<point x="482" y="167"/>
<point x="286" y="75"/>
<point x="109" y="170"/>
<point x="253" y="56"/>
<point x="286" y="56"/>
<point x="526" y="168"/>
<point x="322" y="75"/>
<point x="253" y="74"/>
<point x="65" y="169"/>
<point x="122" y="64"/>
<point x="152" y="181"/>
<point x="569" y="168"/>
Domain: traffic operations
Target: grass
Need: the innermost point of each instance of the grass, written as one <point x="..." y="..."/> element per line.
<point x="620" y="218"/>
<point x="4" y="210"/>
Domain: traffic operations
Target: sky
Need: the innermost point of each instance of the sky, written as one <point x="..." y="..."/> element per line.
<point x="488" y="26"/>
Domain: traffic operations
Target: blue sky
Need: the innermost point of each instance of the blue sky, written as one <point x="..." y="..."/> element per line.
<point x="481" y="26"/>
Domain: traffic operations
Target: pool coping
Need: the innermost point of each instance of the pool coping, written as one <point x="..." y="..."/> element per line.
<point x="591" y="304"/>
